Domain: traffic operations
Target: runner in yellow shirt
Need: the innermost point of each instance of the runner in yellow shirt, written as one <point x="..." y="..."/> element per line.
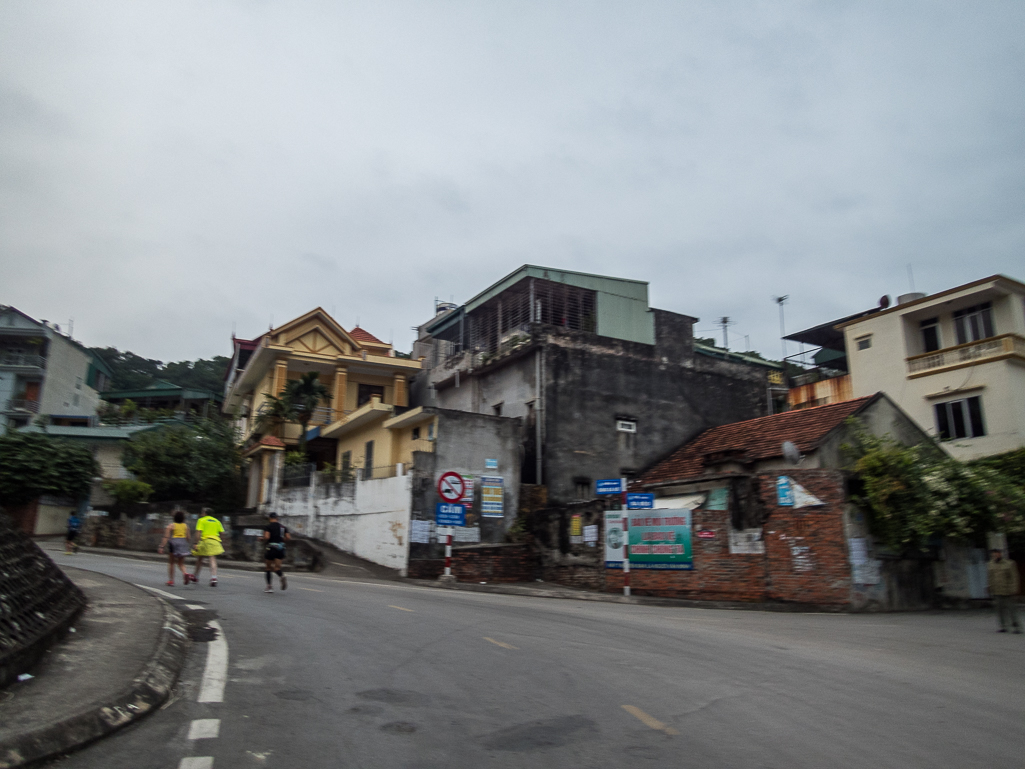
<point x="209" y="530"/>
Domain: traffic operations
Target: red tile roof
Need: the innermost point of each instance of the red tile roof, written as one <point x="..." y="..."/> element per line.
<point x="365" y="336"/>
<point x="267" y="440"/>
<point x="754" y="439"/>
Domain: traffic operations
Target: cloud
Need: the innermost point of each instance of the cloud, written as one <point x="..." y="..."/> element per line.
<point x="191" y="166"/>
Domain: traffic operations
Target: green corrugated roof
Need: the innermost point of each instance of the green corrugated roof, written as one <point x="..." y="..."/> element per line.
<point x="90" y="433"/>
<point x="718" y="352"/>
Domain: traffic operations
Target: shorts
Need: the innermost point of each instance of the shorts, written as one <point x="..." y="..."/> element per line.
<point x="208" y="547"/>
<point x="274" y="553"/>
<point x="179" y="547"/>
<point x="71" y="535"/>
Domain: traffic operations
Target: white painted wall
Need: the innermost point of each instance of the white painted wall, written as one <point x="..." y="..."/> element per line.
<point x="372" y="523"/>
<point x="65" y="391"/>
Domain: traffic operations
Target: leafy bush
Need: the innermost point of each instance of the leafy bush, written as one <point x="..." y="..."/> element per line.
<point x="129" y="492"/>
<point x="33" y="464"/>
<point x="914" y="494"/>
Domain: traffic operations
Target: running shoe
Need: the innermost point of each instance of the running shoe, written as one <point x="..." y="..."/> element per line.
<point x="170" y="583"/>
<point x="284" y="582"/>
<point x="268" y="589"/>
<point x="213" y="582"/>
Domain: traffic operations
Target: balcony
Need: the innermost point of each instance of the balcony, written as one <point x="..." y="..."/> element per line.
<point x="21" y="404"/>
<point x="985" y="350"/>
<point x="22" y="360"/>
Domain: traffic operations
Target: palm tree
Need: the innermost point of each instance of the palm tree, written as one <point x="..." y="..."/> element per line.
<point x="275" y="411"/>
<point x="305" y="394"/>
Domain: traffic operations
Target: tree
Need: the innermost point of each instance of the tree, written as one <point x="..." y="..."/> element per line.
<point x="305" y="394"/>
<point x="916" y="494"/>
<point x="33" y="464"/>
<point x="275" y="412"/>
<point x="199" y="462"/>
<point x="133" y="372"/>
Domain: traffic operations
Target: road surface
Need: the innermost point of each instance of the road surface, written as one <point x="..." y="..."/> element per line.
<point x="336" y="673"/>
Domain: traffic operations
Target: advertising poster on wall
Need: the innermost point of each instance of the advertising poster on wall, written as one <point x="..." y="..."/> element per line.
<point x="661" y="539"/>
<point x="614" y="539"/>
<point x="492" y="490"/>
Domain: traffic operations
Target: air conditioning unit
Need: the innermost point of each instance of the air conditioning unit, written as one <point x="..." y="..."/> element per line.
<point x="625" y="426"/>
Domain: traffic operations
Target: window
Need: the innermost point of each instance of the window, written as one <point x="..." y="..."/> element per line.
<point x="365" y="392"/>
<point x="416" y="434"/>
<point x="430" y="431"/>
<point x="930" y="334"/>
<point x="864" y="342"/>
<point x="368" y="459"/>
<point x="974" y="323"/>
<point x="960" y="419"/>
<point x="626" y="426"/>
<point x="497" y="408"/>
<point x="583" y="488"/>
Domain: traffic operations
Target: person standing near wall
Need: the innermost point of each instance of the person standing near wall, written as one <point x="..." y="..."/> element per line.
<point x="209" y="546"/>
<point x="1003" y="586"/>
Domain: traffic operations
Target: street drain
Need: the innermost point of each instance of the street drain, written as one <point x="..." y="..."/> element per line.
<point x="198" y="629"/>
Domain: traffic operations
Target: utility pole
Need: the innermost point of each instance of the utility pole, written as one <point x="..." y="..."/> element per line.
<point x="781" y="300"/>
<point x="724" y="321"/>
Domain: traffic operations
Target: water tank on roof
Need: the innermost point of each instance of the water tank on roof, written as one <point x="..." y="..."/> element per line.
<point x="913" y="296"/>
<point x="443" y="307"/>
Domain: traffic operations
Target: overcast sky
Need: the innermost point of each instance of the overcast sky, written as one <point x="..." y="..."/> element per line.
<point x="171" y="170"/>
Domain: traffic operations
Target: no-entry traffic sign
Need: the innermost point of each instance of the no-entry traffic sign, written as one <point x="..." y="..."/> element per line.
<point x="451" y="486"/>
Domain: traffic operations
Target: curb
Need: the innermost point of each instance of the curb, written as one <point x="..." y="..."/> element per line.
<point x="147" y="691"/>
<point x="637" y="600"/>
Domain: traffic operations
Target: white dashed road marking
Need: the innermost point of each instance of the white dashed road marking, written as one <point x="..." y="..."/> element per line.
<point x="197" y="762"/>
<point x="215" y="675"/>
<point x="205" y="729"/>
<point x="172" y="596"/>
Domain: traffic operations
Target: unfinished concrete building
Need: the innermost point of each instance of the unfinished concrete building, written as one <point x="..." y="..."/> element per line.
<point x="603" y="384"/>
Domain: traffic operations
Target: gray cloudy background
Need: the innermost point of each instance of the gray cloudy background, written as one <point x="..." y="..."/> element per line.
<point x="170" y="169"/>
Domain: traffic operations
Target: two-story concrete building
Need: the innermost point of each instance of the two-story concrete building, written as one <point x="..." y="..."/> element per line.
<point x="44" y="372"/>
<point x="954" y="361"/>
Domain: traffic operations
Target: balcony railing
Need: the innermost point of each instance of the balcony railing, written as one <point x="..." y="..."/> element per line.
<point x="994" y="347"/>
<point x="22" y="359"/>
<point x="20" y="404"/>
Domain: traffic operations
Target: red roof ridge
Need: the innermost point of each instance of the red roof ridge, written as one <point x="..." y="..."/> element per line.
<point x="362" y="335"/>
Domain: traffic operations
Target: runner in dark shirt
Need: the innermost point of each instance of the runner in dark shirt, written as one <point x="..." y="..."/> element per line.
<point x="274" y="535"/>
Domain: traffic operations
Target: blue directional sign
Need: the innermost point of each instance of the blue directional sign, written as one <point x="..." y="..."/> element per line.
<point x="609" y="486"/>
<point x="640" y="501"/>
<point x="449" y="515"/>
<point x="784" y="492"/>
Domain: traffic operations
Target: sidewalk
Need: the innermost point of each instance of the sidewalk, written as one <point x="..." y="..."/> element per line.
<point x="121" y="662"/>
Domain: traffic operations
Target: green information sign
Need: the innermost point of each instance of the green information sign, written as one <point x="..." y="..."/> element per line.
<point x="660" y="539"/>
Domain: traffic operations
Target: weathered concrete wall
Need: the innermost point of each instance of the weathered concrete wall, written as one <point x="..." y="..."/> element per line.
<point x="464" y="442"/>
<point x="589" y="388"/>
<point x="369" y="519"/>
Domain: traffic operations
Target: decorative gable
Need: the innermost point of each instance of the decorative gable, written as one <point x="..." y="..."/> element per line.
<point x="315" y="332"/>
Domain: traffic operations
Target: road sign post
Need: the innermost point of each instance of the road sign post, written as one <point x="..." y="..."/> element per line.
<point x="626" y="541"/>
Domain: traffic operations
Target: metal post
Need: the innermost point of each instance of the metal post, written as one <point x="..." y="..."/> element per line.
<point x="626" y="541"/>
<point x="448" y="556"/>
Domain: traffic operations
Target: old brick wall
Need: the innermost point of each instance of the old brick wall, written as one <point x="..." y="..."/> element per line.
<point x="482" y="563"/>
<point x="806" y="547"/>
<point x="805" y="559"/>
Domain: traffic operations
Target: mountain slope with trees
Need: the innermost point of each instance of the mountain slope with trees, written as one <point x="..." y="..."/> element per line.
<point x="134" y="372"/>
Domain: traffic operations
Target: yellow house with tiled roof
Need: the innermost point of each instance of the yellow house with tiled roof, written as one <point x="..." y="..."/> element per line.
<point x="367" y="381"/>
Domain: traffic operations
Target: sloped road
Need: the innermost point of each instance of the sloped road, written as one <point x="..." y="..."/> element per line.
<point x="336" y="673"/>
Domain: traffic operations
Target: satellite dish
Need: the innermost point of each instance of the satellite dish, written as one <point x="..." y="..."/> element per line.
<point x="790" y="453"/>
<point x="884" y="301"/>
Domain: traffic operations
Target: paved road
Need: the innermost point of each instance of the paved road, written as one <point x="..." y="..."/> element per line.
<point x="337" y="673"/>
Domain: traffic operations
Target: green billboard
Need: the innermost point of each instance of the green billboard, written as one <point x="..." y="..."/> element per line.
<point x="660" y="539"/>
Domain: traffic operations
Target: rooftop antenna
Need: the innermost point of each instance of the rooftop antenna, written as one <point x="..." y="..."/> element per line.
<point x="782" y="300"/>
<point x="725" y="323"/>
<point x="71" y="328"/>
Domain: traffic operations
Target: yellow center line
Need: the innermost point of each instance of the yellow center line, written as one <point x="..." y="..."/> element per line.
<point x="400" y="608"/>
<point x="500" y="643"/>
<point x="649" y="721"/>
<point x="311" y="589"/>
